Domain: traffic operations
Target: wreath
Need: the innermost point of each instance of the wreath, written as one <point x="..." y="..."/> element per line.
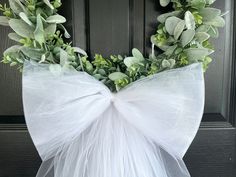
<point x="183" y="37"/>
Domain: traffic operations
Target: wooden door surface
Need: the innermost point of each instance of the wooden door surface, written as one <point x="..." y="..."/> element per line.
<point x="115" y="27"/>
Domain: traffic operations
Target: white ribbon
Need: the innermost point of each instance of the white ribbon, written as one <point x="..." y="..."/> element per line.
<point x="81" y="129"/>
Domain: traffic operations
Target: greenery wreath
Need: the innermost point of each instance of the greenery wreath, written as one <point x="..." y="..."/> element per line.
<point x="182" y="37"/>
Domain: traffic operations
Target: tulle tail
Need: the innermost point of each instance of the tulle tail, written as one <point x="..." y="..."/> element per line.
<point x="111" y="147"/>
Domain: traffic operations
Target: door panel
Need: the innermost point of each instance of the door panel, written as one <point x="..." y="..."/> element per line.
<point x="115" y="27"/>
<point x="10" y="80"/>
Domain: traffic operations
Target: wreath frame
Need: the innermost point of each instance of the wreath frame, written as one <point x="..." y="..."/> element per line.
<point x="183" y="37"/>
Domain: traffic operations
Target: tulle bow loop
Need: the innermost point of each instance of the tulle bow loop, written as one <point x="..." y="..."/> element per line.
<point x="166" y="107"/>
<point x="59" y="107"/>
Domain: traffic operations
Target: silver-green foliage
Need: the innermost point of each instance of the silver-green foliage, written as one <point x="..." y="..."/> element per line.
<point x="188" y="29"/>
<point x="182" y="37"/>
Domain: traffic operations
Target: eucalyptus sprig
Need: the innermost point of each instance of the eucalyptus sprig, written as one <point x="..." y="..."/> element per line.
<point x="182" y="36"/>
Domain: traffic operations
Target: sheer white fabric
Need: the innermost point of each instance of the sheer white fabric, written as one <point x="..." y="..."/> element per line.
<point x="81" y="129"/>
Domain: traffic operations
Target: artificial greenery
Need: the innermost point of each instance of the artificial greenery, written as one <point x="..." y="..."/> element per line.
<point x="182" y="37"/>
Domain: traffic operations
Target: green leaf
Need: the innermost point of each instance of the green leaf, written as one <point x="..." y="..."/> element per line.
<point x="56" y="19"/>
<point x="202" y="36"/>
<point x="197" y="54"/>
<point x="117" y="76"/>
<point x="137" y="54"/>
<point x="4" y="21"/>
<point x="25" y="18"/>
<point x="21" y="28"/>
<point x="162" y="18"/>
<point x="179" y="29"/>
<point x="47" y="2"/>
<point x="187" y="37"/>
<point x="14" y="37"/>
<point x="39" y="31"/>
<point x="189" y="20"/>
<point x="171" y="23"/>
<point x="164" y="3"/>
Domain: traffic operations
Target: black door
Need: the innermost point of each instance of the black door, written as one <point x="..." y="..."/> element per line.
<point x="115" y="27"/>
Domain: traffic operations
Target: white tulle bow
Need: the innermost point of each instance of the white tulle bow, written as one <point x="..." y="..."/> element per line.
<point x="81" y="129"/>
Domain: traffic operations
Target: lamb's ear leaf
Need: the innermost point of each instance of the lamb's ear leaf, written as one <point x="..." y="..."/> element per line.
<point x="12" y="49"/>
<point x="170" y="50"/>
<point x="189" y="20"/>
<point x="80" y="51"/>
<point x="165" y="63"/>
<point x="171" y="23"/>
<point x="179" y="29"/>
<point x="16" y="6"/>
<point x="209" y="2"/>
<point x="4" y="21"/>
<point x="14" y="37"/>
<point x="117" y="75"/>
<point x="187" y="37"/>
<point x="66" y="33"/>
<point x="21" y="28"/>
<point x="50" y="29"/>
<point x="198" y="4"/>
<point x="209" y="13"/>
<point x="217" y="22"/>
<point x="129" y="61"/>
<point x="32" y="53"/>
<point x="172" y="62"/>
<point x="202" y="36"/>
<point x="197" y="54"/>
<point x="164" y="3"/>
<point x="47" y="2"/>
<point x="137" y="54"/>
<point x="25" y="18"/>
<point x="168" y="63"/>
<point x="39" y="31"/>
<point x="213" y="32"/>
<point x="56" y="19"/>
<point x="162" y="18"/>
<point x="203" y="28"/>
